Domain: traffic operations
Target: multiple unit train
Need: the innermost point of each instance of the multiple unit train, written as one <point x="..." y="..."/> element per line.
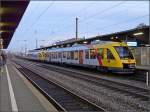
<point x="107" y="56"/>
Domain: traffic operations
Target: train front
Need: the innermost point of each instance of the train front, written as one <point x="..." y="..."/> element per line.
<point x="127" y="59"/>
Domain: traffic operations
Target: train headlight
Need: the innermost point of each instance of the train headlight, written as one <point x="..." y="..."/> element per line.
<point x="131" y="65"/>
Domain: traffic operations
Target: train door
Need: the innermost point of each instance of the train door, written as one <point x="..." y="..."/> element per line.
<point x="109" y="58"/>
<point x="80" y="56"/>
<point x="87" y="57"/>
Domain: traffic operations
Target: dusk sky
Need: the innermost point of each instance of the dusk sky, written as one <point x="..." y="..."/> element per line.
<point x="50" y="21"/>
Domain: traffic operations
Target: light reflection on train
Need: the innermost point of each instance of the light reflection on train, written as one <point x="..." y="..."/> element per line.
<point x="105" y="56"/>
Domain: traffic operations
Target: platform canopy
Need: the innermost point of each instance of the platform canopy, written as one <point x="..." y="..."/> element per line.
<point x="11" y="13"/>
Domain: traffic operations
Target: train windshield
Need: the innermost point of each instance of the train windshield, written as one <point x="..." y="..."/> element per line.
<point x="124" y="52"/>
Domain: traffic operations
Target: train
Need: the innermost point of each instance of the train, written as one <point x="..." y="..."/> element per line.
<point x="106" y="56"/>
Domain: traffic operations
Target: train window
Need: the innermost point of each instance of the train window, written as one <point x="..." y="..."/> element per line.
<point x="59" y="55"/>
<point x="76" y="55"/>
<point x="86" y="54"/>
<point x="52" y="55"/>
<point x="109" y="54"/>
<point x="68" y="55"/>
<point x="55" y="55"/>
<point x="47" y="54"/>
<point x="100" y="53"/>
<point x="64" y="54"/>
<point x="92" y="54"/>
<point x="39" y="55"/>
<point x="72" y="55"/>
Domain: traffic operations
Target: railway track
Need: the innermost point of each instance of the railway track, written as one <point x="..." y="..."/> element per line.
<point x="139" y="75"/>
<point x="136" y="92"/>
<point x="116" y="95"/>
<point x="120" y="87"/>
<point x="63" y="99"/>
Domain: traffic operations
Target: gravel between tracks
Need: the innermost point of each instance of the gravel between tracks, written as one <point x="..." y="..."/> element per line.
<point x="111" y="100"/>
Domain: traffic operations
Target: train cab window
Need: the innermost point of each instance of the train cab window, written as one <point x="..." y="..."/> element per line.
<point x="86" y="54"/>
<point x="100" y="52"/>
<point x="76" y="55"/>
<point x="92" y="54"/>
<point x="109" y="54"/>
<point x="124" y="52"/>
<point x="72" y="55"/>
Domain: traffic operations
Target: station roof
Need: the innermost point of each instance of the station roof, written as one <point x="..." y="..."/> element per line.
<point x="11" y="13"/>
<point x="128" y="35"/>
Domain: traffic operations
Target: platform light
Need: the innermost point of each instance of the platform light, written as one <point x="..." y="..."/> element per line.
<point x="147" y="45"/>
<point x="85" y="42"/>
<point x="134" y="44"/>
<point x="112" y="38"/>
<point x="139" y="33"/>
<point x="97" y="40"/>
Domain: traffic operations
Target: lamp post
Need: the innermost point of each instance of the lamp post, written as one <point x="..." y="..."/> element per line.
<point x="1" y="43"/>
<point x="76" y="28"/>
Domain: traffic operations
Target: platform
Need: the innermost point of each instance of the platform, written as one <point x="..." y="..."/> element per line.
<point x="143" y="67"/>
<point x="18" y="94"/>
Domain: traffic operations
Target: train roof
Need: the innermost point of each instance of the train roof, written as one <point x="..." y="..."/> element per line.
<point x="84" y="46"/>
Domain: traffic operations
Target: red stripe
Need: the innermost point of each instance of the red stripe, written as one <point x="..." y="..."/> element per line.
<point x="99" y="58"/>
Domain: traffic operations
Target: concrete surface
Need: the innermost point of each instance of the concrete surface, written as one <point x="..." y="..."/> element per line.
<point x="27" y="97"/>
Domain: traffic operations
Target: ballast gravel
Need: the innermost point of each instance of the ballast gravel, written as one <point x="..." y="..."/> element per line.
<point x="110" y="100"/>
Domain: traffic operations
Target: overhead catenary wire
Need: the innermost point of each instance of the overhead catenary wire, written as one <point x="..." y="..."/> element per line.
<point x="80" y="11"/>
<point x="93" y="15"/>
<point x="43" y="12"/>
<point x="125" y="21"/>
<point x="40" y="15"/>
<point x="82" y="20"/>
<point x="103" y="11"/>
<point x="96" y="14"/>
<point x="118" y="23"/>
<point x="29" y="18"/>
